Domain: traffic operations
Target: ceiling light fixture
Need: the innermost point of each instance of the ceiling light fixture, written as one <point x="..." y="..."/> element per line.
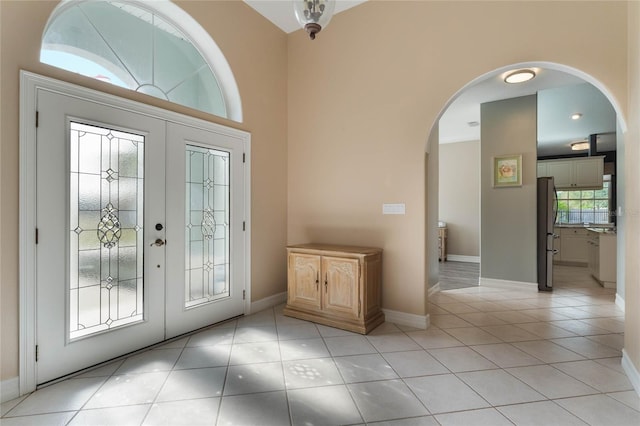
<point x="576" y="116"/>
<point x="580" y="145"/>
<point x="519" y="76"/>
<point x="313" y="15"/>
<point x="473" y="123"/>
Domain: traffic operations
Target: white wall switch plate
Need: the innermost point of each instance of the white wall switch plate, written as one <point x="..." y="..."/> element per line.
<point x="393" y="209"/>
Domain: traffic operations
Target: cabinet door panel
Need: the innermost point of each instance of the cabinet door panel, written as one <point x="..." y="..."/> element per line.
<point x="341" y="286"/>
<point x="304" y="279"/>
<point x="561" y="172"/>
<point x="542" y="169"/>
<point x="574" y="246"/>
<point x="588" y="173"/>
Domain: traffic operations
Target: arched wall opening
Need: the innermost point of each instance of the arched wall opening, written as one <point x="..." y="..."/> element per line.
<point x="433" y="185"/>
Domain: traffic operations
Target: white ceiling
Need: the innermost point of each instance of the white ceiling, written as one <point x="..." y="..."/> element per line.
<point x="280" y="12"/>
<point x="559" y="95"/>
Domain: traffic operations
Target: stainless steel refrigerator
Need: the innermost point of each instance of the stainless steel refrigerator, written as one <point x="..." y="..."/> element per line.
<point x="547" y="212"/>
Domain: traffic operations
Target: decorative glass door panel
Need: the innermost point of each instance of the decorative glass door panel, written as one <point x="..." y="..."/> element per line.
<point x="100" y="283"/>
<point x="106" y="227"/>
<point x="207" y="225"/>
<point x="205" y="233"/>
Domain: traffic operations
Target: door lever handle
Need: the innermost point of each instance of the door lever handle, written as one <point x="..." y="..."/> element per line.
<point x="159" y="242"/>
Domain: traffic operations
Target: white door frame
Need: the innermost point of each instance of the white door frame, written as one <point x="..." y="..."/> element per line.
<point x="30" y="83"/>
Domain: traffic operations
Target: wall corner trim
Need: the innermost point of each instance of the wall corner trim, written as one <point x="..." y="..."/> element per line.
<point x="463" y="258"/>
<point x="403" y="318"/>
<point x="619" y="302"/>
<point x="268" y="302"/>
<point x="632" y="371"/>
<point x="9" y="389"/>
<point x="513" y="285"/>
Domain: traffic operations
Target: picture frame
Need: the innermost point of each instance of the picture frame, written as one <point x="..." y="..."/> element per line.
<point x="507" y="171"/>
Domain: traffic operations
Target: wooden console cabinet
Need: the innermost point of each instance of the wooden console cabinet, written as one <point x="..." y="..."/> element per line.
<point x="338" y="286"/>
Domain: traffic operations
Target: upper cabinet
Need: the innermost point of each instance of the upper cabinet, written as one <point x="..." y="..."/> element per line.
<point x="574" y="173"/>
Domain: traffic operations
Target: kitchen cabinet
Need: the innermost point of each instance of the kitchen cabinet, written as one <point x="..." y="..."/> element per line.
<point x="602" y="257"/>
<point x="338" y="286"/>
<point x="574" y="173"/>
<point x="573" y="246"/>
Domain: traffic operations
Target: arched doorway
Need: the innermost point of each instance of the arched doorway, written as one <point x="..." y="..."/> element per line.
<point x="549" y="75"/>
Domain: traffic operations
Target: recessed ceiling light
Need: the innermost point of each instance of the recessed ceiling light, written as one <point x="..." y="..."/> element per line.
<point x="580" y="145"/>
<point x="576" y="116"/>
<point x="519" y="76"/>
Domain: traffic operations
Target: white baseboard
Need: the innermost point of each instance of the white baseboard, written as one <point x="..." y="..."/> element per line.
<point x="513" y="285"/>
<point x="619" y="302"/>
<point x="463" y="258"/>
<point x="433" y="289"/>
<point x="268" y="302"/>
<point x="403" y="318"/>
<point x="632" y="371"/>
<point x="9" y="389"/>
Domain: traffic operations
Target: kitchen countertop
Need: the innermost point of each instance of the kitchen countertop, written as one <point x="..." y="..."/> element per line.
<point x="603" y="231"/>
<point x="582" y="225"/>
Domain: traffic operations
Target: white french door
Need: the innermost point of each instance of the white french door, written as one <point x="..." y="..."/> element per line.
<point x="205" y="235"/>
<point x="139" y="231"/>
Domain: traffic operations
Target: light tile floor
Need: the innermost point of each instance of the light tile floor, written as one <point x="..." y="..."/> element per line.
<point x="490" y="357"/>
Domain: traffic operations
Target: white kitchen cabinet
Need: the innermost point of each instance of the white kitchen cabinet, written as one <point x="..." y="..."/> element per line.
<point x="562" y="173"/>
<point x="573" y="246"/>
<point x="602" y="257"/>
<point x="574" y="173"/>
<point x="542" y="169"/>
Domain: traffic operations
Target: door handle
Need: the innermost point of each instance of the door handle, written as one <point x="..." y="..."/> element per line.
<point x="159" y="242"/>
<point x="326" y="282"/>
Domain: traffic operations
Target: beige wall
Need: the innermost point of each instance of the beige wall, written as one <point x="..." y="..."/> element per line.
<point x="257" y="54"/>
<point x="632" y="195"/>
<point x="460" y="196"/>
<point x="365" y="94"/>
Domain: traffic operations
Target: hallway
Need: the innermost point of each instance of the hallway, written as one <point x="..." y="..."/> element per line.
<point x="491" y="356"/>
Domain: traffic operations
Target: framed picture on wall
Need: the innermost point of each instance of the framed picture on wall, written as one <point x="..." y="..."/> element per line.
<point x="507" y="171"/>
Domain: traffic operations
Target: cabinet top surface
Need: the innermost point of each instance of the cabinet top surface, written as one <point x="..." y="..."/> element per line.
<point x="336" y="248"/>
<point x="595" y="157"/>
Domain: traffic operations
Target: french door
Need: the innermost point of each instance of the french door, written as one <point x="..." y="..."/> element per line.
<point x="139" y="231"/>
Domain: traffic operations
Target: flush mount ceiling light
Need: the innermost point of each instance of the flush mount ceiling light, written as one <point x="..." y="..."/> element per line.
<point x="576" y="116"/>
<point x="579" y="145"/>
<point x="313" y="15"/>
<point x="519" y="76"/>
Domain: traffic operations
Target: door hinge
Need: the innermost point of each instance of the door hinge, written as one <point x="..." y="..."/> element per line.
<point x="37" y="118"/>
<point x="37" y="353"/>
<point x="244" y="157"/>
<point x="244" y="294"/>
<point x="37" y="236"/>
<point x="244" y="225"/>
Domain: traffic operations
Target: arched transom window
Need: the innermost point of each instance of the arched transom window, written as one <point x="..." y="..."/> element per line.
<point x="152" y="47"/>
